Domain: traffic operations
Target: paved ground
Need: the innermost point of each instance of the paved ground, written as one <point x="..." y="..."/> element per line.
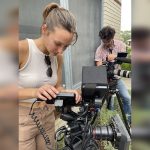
<point x="127" y="82"/>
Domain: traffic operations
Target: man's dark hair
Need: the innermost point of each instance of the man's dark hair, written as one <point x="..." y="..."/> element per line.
<point x="107" y="33"/>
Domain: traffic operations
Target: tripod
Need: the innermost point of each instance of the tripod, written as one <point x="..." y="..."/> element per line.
<point x="111" y="91"/>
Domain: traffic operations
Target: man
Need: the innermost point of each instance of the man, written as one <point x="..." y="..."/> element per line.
<point x="107" y="51"/>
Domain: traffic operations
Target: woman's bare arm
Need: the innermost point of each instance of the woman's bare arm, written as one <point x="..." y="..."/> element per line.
<point x="59" y="73"/>
<point x="24" y="93"/>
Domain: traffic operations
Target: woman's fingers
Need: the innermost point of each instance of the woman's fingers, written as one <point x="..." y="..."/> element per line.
<point x="51" y="92"/>
<point x="51" y="88"/>
<point x="40" y="96"/>
<point x="77" y="95"/>
<point x="54" y="89"/>
<point x="47" y="92"/>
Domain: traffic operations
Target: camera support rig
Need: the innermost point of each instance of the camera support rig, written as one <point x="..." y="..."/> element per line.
<point x="79" y="134"/>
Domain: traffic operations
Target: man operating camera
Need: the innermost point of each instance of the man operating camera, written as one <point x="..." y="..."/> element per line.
<point x="107" y="51"/>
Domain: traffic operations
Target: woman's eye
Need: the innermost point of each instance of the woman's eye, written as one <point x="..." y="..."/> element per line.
<point x="58" y="44"/>
<point x="65" y="47"/>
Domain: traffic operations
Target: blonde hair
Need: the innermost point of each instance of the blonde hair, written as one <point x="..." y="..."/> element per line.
<point x="56" y="16"/>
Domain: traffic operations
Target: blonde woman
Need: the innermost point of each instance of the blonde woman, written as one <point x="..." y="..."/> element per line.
<point x="40" y="76"/>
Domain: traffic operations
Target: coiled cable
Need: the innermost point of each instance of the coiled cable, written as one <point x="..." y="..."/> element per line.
<point x="40" y="127"/>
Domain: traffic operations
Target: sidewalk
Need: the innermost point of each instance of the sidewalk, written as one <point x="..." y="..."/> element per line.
<point x="127" y="82"/>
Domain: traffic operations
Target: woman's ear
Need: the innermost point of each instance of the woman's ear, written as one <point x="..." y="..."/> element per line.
<point x="44" y="29"/>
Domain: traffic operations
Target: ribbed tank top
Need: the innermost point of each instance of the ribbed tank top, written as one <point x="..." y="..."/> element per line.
<point x="33" y="73"/>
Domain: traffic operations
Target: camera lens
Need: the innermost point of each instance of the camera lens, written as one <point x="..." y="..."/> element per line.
<point x="103" y="133"/>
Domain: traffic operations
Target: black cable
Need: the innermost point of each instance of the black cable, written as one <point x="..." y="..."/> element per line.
<point x="94" y="118"/>
<point x="85" y="135"/>
<point x="84" y="113"/>
<point x="32" y="106"/>
<point x="40" y="127"/>
<point x="88" y="137"/>
<point x="58" y="134"/>
<point x="92" y="145"/>
<point x="58" y="140"/>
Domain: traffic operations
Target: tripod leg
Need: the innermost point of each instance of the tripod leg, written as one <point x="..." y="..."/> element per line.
<point x="123" y="114"/>
<point x="110" y="102"/>
<point x="104" y="99"/>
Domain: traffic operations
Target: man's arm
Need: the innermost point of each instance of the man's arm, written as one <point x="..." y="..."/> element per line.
<point x="98" y="63"/>
<point x="98" y="56"/>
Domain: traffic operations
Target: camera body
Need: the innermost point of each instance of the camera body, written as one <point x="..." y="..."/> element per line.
<point x="63" y="99"/>
<point x="121" y="58"/>
<point x="94" y="83"/>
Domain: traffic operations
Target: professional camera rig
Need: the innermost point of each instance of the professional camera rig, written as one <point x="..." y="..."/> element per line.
<point x="80" y="132"/>
<point x="112" y="72"/>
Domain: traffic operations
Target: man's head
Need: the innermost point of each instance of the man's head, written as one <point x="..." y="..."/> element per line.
<point x="107" y="35"/>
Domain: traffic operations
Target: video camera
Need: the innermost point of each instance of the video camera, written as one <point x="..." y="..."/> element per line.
<point x="93" y="88"/>
<point x="111" y="71"/>
<point x="79" y="133"/>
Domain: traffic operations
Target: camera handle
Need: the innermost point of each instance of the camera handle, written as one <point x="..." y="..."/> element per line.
<point x="106" y="96"/>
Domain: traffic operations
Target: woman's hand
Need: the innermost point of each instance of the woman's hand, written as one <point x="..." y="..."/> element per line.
<point x="46" y="92"/>
<point x="77" y="94"/>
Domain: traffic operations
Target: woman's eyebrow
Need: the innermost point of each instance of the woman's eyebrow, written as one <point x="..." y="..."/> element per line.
<point x="59" y="42"/>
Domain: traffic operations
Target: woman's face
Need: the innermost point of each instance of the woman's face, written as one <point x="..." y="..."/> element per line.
<point x="57" y="41"/>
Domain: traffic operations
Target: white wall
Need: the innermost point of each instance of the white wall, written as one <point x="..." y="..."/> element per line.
<point x="112" y="15"/>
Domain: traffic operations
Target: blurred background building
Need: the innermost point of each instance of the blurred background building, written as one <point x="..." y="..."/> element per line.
<point x="112" y="15"/>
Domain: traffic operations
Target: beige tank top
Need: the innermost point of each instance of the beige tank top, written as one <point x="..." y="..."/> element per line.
<point x="33" y="73"/>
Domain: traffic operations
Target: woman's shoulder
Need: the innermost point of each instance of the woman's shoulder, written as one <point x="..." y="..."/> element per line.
<point x="23" y="45"/>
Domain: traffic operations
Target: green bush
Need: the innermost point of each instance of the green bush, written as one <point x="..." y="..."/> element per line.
<point x="126" y="66"/>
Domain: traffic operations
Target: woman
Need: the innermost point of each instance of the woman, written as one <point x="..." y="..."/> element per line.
<point x="40" y="76"/>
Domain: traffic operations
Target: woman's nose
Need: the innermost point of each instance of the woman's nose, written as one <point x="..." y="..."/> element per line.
<point x="60" y="50"/>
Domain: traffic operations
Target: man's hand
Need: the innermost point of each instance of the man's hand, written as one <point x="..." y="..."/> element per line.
<point x="99" y="63"/>
<point x="111" y="57"/>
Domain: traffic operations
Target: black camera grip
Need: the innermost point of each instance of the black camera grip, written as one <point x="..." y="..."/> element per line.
<point x="61" y="96"/>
